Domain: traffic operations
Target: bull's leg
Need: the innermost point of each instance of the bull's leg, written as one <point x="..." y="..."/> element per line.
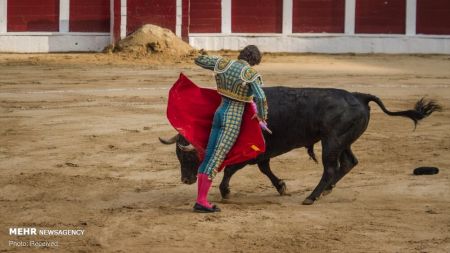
<point x="347" y="162"/>
<point x="330" y="155"/>
<point x="264" y="167"/>
<point x="227" y="174"/>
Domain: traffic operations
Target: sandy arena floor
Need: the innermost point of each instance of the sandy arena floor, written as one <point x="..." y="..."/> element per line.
<point x="79" y="149"/>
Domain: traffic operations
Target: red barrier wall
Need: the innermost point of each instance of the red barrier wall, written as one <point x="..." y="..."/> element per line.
<point x="157" y="12"/>
<point x="116" y="26"/>
<point x="380" y="16"/>
<point x="254" y="16"/>
<point x="33" y="16"/>
<point x="433" y="17"/>
<point x="205" y="16"/>
<point x="89" y="16"/>
<point x="317" y="16"/>
<point x="185" y="20"/>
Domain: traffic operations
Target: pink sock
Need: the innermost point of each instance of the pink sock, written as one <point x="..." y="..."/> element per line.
<point x="203" y="184"/>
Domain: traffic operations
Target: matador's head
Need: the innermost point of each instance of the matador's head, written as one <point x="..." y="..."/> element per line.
<point x="250" y="54"/>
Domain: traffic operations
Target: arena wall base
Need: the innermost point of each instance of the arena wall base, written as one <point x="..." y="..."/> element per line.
<point x="331" y="44"/>
<point x="53" y="42"/>
<point x="94" y="42"/>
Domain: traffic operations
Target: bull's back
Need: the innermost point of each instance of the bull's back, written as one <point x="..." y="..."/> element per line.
<point x="299" y="117"/>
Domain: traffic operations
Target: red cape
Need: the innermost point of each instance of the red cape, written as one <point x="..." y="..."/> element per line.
<point x="191" y="110"/>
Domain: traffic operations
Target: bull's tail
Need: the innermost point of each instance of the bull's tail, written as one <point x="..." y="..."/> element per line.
<point x="422" y="109"/>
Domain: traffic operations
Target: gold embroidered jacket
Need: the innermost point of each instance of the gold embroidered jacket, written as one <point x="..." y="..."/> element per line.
<point x="237" y="80"/>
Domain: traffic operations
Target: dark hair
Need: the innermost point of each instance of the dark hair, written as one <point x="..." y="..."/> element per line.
<point x="250" y="54"/>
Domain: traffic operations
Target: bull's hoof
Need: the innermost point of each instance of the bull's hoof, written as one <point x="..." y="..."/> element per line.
<point x="281" y="188"/>
<point x="308" y="201"/>
<point x="225" y="193"/>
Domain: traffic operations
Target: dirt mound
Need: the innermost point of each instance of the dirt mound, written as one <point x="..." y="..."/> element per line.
<point x="152" y="39"/>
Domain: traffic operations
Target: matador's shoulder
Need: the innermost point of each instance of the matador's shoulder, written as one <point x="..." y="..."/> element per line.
<point x="249" y="74"/>
<point x="222" y="64"/>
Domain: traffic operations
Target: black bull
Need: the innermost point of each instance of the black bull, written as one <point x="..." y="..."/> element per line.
<point x="301" y="117"/>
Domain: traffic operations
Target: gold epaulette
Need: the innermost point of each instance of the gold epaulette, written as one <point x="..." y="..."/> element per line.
<point x="249" y="75"/>
<point x="222" y="65"/>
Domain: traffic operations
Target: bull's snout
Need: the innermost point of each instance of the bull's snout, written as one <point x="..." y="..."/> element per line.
<point x="186" y="180"/>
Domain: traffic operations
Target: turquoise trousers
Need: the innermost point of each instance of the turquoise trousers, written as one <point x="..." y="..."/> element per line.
<point x="224" y="132"/>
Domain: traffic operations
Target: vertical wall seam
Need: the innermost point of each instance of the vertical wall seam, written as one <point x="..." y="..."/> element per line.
<point x="123" y="18"/>
<point x="64" y="15"/>
<point x="288" y="9"/>
<point x="178" y="16"/>
<point x="350" y="12"/>
<point x="226" y="16"/>
<point x="111" y="21"/>
<point x="411" y="17"/>
<point x="3" y="16"/>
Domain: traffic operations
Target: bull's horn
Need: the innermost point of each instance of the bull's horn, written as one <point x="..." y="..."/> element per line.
<point x="187" y="148"/>
<point x="168" y="141"/>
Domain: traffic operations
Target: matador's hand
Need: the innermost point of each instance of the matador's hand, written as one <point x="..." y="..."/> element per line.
<point x="262" y="123"/>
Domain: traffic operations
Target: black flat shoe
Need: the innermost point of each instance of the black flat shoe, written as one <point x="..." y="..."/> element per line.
<point x="203" y="209"/>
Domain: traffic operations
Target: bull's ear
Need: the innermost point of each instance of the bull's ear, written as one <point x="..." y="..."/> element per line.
<point x="169" y="141"/>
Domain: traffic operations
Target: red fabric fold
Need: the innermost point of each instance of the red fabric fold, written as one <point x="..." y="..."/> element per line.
<point x="191" y="110"/>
